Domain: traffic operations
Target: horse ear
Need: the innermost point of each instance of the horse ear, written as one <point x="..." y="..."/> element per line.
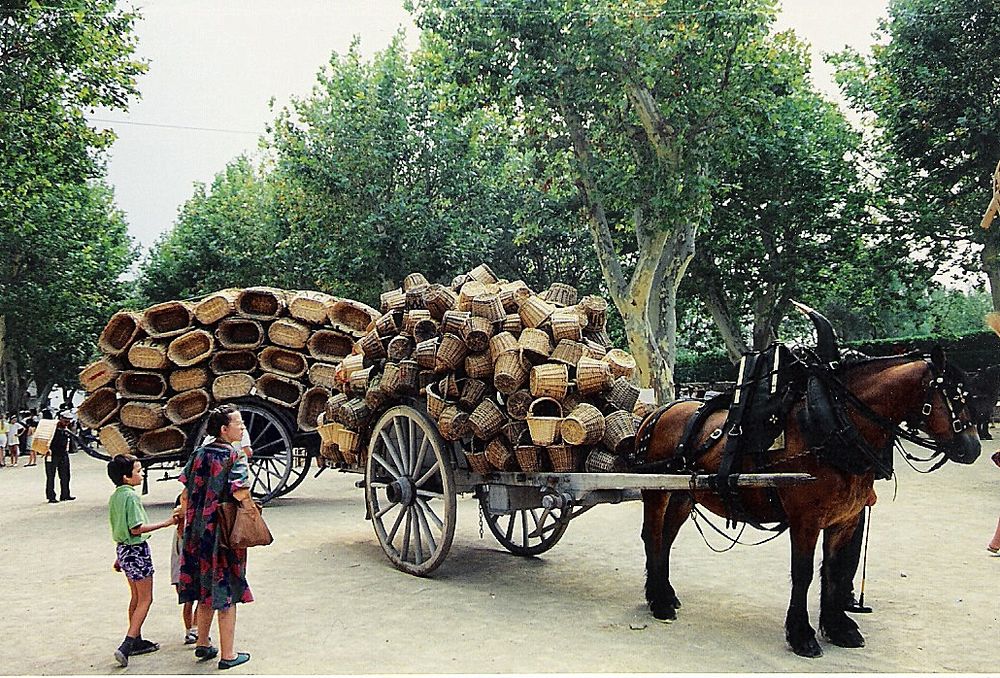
<point x="826" y="338"/>
<point x="937" y="357"/>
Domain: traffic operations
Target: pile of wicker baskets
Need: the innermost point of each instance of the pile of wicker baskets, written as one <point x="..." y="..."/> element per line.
<point x="164" y="367"/>
<point x="529" y="381"/>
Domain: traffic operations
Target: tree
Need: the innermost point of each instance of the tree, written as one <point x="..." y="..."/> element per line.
<point x="931" y="93"/>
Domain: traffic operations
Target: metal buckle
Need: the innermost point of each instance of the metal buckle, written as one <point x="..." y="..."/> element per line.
<point x="958" y="426"/>
<point x="716" y="434"/>
<point x="736" y="431"/>
<point x="926" y="410"/>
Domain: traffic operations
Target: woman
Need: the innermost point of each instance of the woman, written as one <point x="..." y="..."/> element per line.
<point x="211" y="573"/>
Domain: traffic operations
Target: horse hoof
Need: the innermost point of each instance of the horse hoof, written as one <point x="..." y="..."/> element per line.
<point x="807" y="647"/>
<point x="844" y="637"/>
<point x="676" y="602"/>
<point x="664" y="613"/>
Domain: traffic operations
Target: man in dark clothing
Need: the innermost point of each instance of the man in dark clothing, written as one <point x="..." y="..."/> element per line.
<point x="58" y="460"/>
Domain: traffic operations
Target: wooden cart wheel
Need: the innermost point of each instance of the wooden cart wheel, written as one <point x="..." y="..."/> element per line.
<point x="524" y="532"/>
<point x="410" y="490"/>
<point x="301" y="460"/>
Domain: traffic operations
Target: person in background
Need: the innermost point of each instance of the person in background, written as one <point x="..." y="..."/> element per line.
<point x="57" y="460"/>
<point x="187" y="609"/>
<point x="4" y="429"/>
<point x="30" y="420"/>
<point x="14" y="430"/>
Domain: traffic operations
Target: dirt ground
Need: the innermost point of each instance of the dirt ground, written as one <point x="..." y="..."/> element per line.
<point x="328" y="601"/>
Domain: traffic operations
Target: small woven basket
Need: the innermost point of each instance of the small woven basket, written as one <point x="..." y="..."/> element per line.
<point x="439" y="300"/>
<point x="477" y="333"/>
<point x="360" y="381"/>
<point x="372" y="346"/>
<point x="355" y="413"/>
<point x="386" y="325"/>
<point x="510" y="372"/>
<point x="135" y="385"/>
<point x="261" y="303"/>
<point x="143" y="416"/>
<point x="148" y="354"/>
<point x="283" y="361"/>
<point x="454" y="322"/>
<point x="349" y="445"/>
<point x="323" y="374"/>
<point x="225" y="362"/>
<point x="583" y="426"/>
<point x="453" y="423"/>
<point x="424" y="379"/>
<point x="530" y="458"/>
<point x="239" y="334"/>
<point x="162" y="441"/>
<point x="414" y="280"/>
<point x="479" y="365"/>
<point x="187" y="406"/>
<point x="599" y="337"/>
<point x="622" y="364"/>
<point x="117" y="439"/>
<point x="502" y="343"/>
<point x="566" y="325"/>
<point x="564" y="458"/>
<point x="409" y="372"/>
<point x="470" y="290"/>
<point x="310" y="307"/>
<point x="352" y="317"/>
<point x="311" y="406"/>
<point x="279" y="390"/>
<point x="191" y="348"/>
<point x="549" y="380"/>
<point x="544" y="421"/>
<point x="593" y="349"/>
<point x="478" y="463"/>
<point x="599" y="460"/>
<point x="450" y="354"/>
<point x="167" y="319"/>
<point x="425" y="353"/>
<point x="411" y="318"/>
<point x="399" y="348"/>
<point x="512" y="323"/>
<point x="592" y="376"/>
<point x="483" y="274"/>
<point x="330" y="346"/>
<point x="473" y="391"/>
<point x="425" y="329"/>
<point x="518" y="403"/>
<point x="375" y="397"/>
<point x="619" y="432"/>
<point x="229" y="386"/>
<point x="643" y="409"/>
<point x="501" y="456"/>
<point x="99" y="408"/>
<point x="216" y="306"/>
<point x="535" y="343"/>
<point x="393" y="300"/>
<point x="119" y="333"/>
<point x="99" y="373"/>
<point x="415" y="297"/>
<point x="623" y="395"/>
<point x="534" y="311"/>
<point x="391" y="380"/>
<point x="560" y="294"/>
<point x="486" y="420"/>
<point x="513" y="430"/>
<point x="509" y="292"/>
<point x="451" y="387"/>
<point x="332" y="412"/>
<point x="596" y="309"/>
<point x="435" y="403"/>
<point x="288" y="333"/>
<point x="488" y="307"/>
<point x="567" y="352"/>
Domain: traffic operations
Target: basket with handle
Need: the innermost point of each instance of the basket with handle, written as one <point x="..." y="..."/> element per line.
<point x="596" y="309"/>
<point x="143" y="416"/>
<point x="323" y="374"/>
<point x="564" y="458"/>
<point x="566" y="325"/>
<point x="453" y="423"/>
<point x="99" y="373"/>
<point x="623" y="395"/>
<point x="592" y="376"/>
<point x="500" y="455"/>
<point x="439" y="300"/>
<point x="138" y="385"/>
<point x="549" y="380"/>
<point x="473" y="391"/>
<point x="477" y="333"/>
<point x="283" y="361"/>
<point x="148" y="354"/>
<point x="486" y="420"/>
<point x="567" y="352"/>
<point x="453" y="322"/>
<point x="233" y="385"/>
<point x="450" y="387"/>
<point x="513" y="430"/>
<point x="215" y="306"/>
<point x="510" y="372"/>
<point x="190" y="348"/>
<point x="476" y="458"/>
<point x="121" y="330"/>
<point x="261" y="303"/>
<point x="479" y="365"/>
<point x="167" y="319"/>
<point x="289" y="333"/>
<point x="469" y="291"/>
<point x="330" y="346"/>
<point x="535" y="344"/>
<point x="584" y="425"/>
<point x="224" y="362"/>
<point x="502" y="343"/>
<point x="561" y="294"/>
<point x="622" y="364"/>
<point x="162" y="441"/>
<point x="619" y="432"/>
<point x="435" y="403"/>
<point x="309" y="306"/>
<point x="530" y="457"/>
<point x="279" y="390"/>
<point x="544" y="420"/>
<point x="599" y="460"/>
<point x="534" y="311"/>
<point x="188" y="406"/>
<point x="118" y="439"/>
<point x="450" y="354"/>
<point x="518" y="403"/>
<point x="311" y="406"/>
<point x="393" y="300"/>
<point x="352" y="317"/>
<point x="239" y="334"/>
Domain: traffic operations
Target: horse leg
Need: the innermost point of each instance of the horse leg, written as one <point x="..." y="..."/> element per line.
<point x="663" y="515"/>
<point x="840" y="563"/>
<point x="799" y="634"/>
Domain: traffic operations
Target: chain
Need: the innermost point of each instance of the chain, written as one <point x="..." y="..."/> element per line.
<point x="480" y="520"/>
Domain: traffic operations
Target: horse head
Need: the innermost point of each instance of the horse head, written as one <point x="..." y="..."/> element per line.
<point x="945" y="414"/>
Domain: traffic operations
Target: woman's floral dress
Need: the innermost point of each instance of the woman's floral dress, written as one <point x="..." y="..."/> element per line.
<point x="210" y="573"/>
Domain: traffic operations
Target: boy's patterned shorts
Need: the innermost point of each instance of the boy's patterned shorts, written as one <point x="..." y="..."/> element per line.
<point x="135" y="560"/>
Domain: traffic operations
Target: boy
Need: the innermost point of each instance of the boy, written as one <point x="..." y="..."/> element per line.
<point x="129" y="529"/>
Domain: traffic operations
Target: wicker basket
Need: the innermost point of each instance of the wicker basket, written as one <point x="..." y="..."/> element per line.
<point x="623" y="395"/>
<point x="483" y="274"/>
<point x="509" y="293"/>
<point x="283" y="361"/>
<point x="619" y="432"/>
<point x="513" y="430"/>
<point x="225" y="362"/>
<point x="560" y="294"/>
<point x="477" y="333"/>
<point x="453" y="423"/>
<point x="311" y="407"/>
<point x="599" y="460"/>
<point x="622" y="364"/>
<point x="135" y="385"/>
<point x="311" y="307"/>
<point x="501" y="456"/>
<point x="415" y="297"/>
<point x="386" y="325"/>
<point x="599" y="337"/>
<point x="534" y="311"/>
<point x="535" y="343"/>
<point x="148" y="354"/>
<point x="564" y="458"/>
<point x="360" y="381"/>
<point x="435" y="403"/>
<point x="162" y="441"/>
<point x="330" y="346"/>
<point x="99" y="408"/>
<point x="488" y="307"/>
<point x="327" y="431"/>
<point x="583" y="426"/>
<point x="425" y="329"/>
<point x="167" y="319"/>
<point x="117" y="439"/>
<point x="425" y="353"/>
<point x="391" y="380"/>
<point x="235" y="385"/>
<point x="216" y="306"/>
<point x="450" y="354"/>
<point x="330" y="451"/>
<point x="550" y="380"/>
<point x="352" y="317"/>
<point x="473" y="391"/>
<point x="544" y="420"/>
<point x="393" y="300"/>
<point x="99" y="373"/>
<point x="478" y="463"/>
<point x="261" y="303"/>
<point x="349" y="444"/>
<point x="355" y="413"/>
<point x="572" y="399"/>
<point x="399" y="348"/>
<point x="411" y="318"/>
<point x="502" y="343"/>
<point x="349" y="366"/>
<point x="191" y="348"/>
<point x="486" y="420"/>
<point x="323" y="374"/>
<point x="414" y="280"/>
<point x="596" y="309"/>
<point x="408" y="377"/>
<point x="512" y="323"/>
<point x="470" y="290"/>
<point x="450" y="387"/>
<point x="279" y="390"/>
<point x="239" y="334"/>
<point x="375" y="397"/>
<point x="288" y="333"/>
<point x="643" y="409"/>
<point x="119" y="333"/>
<point x="479" y="365"/>
<point x="592" y="376"/>
<point x="593" y="349"/>
<point x="530" y="458"/>
<point x="453" y="322"/>
<point x="518" y="403"/>
<point x="567" y="352"/>
<point x="510" y="372"/>
<point x="566" y="325"/>
<point x="439" y="300"/>
<point x="333" y="406"/>
<point x="187" y="406"/>
<point x="372" y="346"/>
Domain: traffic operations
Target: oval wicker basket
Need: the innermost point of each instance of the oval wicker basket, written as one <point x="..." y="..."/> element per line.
<point x="567" y="352"/>
<point x="187" y="406"/>
<point x="435" y="403"/>
<point x="261" y="303"/>
<point x="564" y="458"/>
<point x="486" y="420"/>
<point x="330" y="346"/>
<point x="530" y="458"/>
<point x="502" y="343"/>
<point x="560" y="294"/>
<point x="372" y="346"/>
<point x="479" y="365"/>
<point x="549" y="380"/>
<point x="450" y="354"/>
<point x="119" y="333"/>
<point x="535" y="343"/>
<point x="469" y="291"/>
<point x="623" y="395"/>
<point x="162" y="441"/>
<point x="596" y="309"/>
<point x="323" y="374"/>
<point x="583" y="426"/>
<point x="386" y="325"/>
<point x="239" y="334"/>
<point x="510" y="372"/>
<point x="167" y="319"/>
<point x="533" y="311"/>
<point x="622" y="364"/>
<point x="512" y="323"/>
<point x="544" y="420"/>
<point x="225" y="362"/>
<point x="599" y="460"/>
<point x="518" y="403"/>
<point x="279" y="390"/>
<point x="288" y="333"/>
<point x="98" y="408"/>
<point x="413" y="280"/>
<point x="477" y="333"/>
<point x="399" y="348"/>
<point x="99" y="373"/>
<point x="489" y="307"/>
<point x="453" y="423"/>
<point x="117" y="439"/>
<point x="215" y="306"/>
<point x="191" y="348"/>
<point x="425" y="353"/>
<point x="142" y="416"/>
<point x="311" y="406"/>
<point x="148" y="354"/>
<point x="283" y="361"/>
<point x="592" y="376"/>
<point x="234" y="385"/>
<point x="453" y="322"/>
<point x="473" y="392"/>
<point x="619" y="432"/>
<point x="509" y="292"/>
<point x="135" y="385"/>
<point x="352" y="317"/>
<point x="501" y="456"/>
<point x="310" y="307"/>
<point x="393" y="300"/>
<point x="483" y="274"/>
<point x="566" y="325"/>
<point x="439" y="300"/>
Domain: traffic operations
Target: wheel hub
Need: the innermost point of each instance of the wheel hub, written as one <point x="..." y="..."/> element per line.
<point x="401" y="491"/>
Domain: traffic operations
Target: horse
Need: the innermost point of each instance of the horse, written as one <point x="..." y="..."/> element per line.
<point x="984" y="391"/>
<point x="874" y="396"/>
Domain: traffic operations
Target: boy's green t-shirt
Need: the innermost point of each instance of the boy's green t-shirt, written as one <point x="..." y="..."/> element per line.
<point x="125" y="511"/>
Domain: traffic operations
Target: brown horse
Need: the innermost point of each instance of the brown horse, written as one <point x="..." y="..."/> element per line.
<point x="876" y="396"/>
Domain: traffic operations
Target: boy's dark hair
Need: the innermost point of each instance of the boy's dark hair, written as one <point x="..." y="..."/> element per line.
<point x="120" y="467"/>
<point x="217" y="418"/>
<point x="177" y="501"/>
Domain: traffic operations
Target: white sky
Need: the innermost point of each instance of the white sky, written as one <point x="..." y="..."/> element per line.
<point x="215" y="64"/>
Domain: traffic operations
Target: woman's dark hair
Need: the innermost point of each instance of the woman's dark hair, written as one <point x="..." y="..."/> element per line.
<point x="219" y="417"/>
<point x="120" y="467"/>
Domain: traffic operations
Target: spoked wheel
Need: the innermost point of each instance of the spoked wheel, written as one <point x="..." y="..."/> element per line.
<point x="301" y="460"/>
<point x="524" y="532"/>
<point x="410" y="490"/>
